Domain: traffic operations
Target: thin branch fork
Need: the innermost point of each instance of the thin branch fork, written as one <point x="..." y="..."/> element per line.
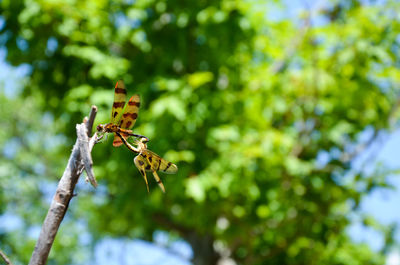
<point x="79" y="160"/>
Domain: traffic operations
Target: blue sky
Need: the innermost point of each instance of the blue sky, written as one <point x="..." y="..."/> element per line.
<point x="382" y="203"/>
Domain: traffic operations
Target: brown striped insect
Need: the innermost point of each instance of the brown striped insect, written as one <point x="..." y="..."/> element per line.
<point x="122" y="122"/>
<point x="147" y="160"/>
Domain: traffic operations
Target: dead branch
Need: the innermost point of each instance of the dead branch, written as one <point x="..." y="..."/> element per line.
<point x="64" y="192"/>
<point x="85" y="153"/>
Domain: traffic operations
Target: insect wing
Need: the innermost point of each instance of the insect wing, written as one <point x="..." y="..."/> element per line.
<point x="131" y="113"/>
<point x="129" y="117"/>
<point x="158" y="163"/>
<point x="119" y="101"/>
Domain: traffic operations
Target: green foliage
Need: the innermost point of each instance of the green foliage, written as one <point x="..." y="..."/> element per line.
<point x="244" y="106"/>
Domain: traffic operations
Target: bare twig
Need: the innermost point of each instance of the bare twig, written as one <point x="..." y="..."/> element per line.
<point x="60" y="202"/>
<point x="83" y="141"/>
<point x="90" y="121"/>
<point x="5" y="258"/>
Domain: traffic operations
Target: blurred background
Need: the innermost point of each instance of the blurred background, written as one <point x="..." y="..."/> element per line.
<point x="282" y="117"/>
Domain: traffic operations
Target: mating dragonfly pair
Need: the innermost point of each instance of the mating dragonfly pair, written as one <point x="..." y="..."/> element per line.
<point x="121" y="127"/>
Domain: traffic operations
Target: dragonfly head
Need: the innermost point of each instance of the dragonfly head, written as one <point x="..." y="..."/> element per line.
<point x="141" y="143"/>
<point x="100" y="128"/>
<point x="107" y="128"/>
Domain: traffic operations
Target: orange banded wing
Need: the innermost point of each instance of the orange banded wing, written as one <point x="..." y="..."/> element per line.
<point x="157" y="163"/>
<point x="129" y="117"/>
<point x="119" y="101"/>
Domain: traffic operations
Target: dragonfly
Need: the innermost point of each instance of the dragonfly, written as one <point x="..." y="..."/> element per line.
<point x="122" y="123"/>
<point x="147" y="160"/>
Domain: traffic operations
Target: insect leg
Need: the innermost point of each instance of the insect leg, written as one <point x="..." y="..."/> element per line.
<point x="130" y="147"/>
<point x="130" y="133"/>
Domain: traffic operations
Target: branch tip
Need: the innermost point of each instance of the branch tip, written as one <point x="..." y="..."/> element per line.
<point x="90" y="121"/>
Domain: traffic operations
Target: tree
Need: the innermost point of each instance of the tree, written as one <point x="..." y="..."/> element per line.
<point x="263" y="119"/>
